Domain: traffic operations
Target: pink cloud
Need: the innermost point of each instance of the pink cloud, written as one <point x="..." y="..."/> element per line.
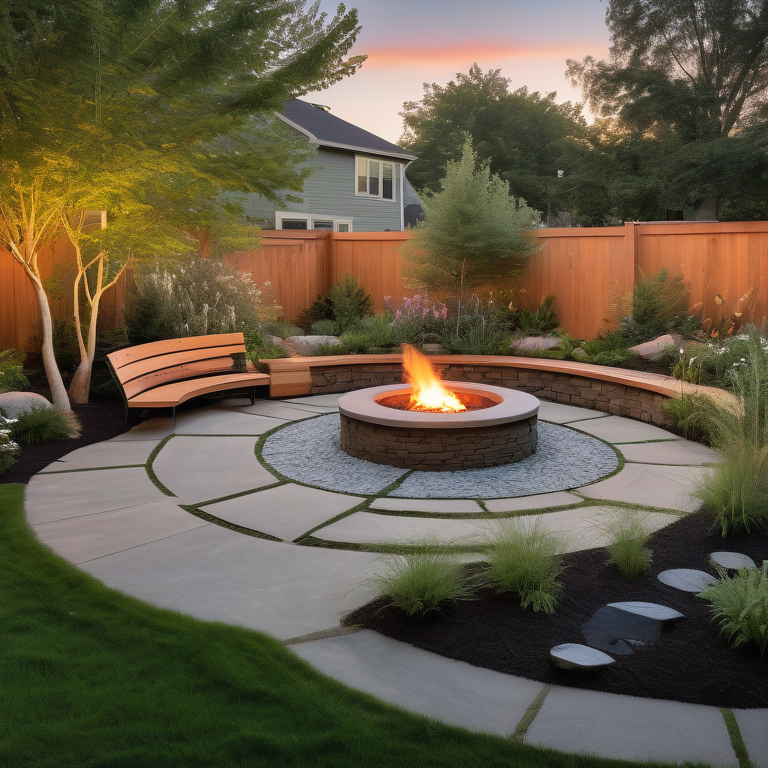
<point x="454" y="54"/>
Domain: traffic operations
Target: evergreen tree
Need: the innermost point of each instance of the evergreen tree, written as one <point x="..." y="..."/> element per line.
<point x="473" y="230"/>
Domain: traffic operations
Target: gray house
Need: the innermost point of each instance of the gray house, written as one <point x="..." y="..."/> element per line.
<point x="357" y="183"/>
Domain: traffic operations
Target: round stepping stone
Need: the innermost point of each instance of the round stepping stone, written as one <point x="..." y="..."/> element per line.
<point x="576" y="656"/>
<point x="650" y="610"/>
<point x="732" y="561"/>
<point x="687" y="579"/>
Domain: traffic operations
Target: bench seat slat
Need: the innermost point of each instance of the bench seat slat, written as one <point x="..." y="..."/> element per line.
<point x="170" y="395"/>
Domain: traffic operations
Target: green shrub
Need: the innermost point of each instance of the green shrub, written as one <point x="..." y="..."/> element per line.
<point x="320" y="309"/>
<point x="42" y="424"/>
<point x="418" y="320"/>
<point x="542" y="320"/>
<point x="192" y="298"/>
<point x="477" y="330"/>
<point x="353" y="343"/>
<point x="736" y="491"/>
<point x="527" y="560"/>
<point x="9" y="448"/>
<point x="424" y="582"/>
<point x="689" y="415"/>
<point x="325" y="328"/>
<point x="282" y="329"/>
<point x="350" y="302"/>
<point x="12" y="377"/>
<point x="267" y="351"/>
<point x="659" y="305"/>
<point x="628" y="532"/>
<point x="740" y="606"/>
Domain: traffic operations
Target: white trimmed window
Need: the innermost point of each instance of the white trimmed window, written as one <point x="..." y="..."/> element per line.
<point x="375" y="178"/>
<point x="287" y="220"/>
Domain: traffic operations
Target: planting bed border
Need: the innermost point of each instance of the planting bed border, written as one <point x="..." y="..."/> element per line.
<point x="634" y="394"/>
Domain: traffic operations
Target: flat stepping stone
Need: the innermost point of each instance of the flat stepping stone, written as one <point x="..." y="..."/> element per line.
<point x="577" y="656"/>
<point x="687" y="579"/>
<point x="732" y="561"/>
<point x="650" y="610"/>
<point x="618" y="631"/>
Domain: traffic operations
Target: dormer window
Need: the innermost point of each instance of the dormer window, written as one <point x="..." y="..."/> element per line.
<point x="375" y="178"/>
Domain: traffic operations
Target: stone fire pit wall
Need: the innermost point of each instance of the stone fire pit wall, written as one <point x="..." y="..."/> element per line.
<point x="439" y="449"/>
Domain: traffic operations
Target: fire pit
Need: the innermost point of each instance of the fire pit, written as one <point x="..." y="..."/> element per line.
<point x="422" y="425"/>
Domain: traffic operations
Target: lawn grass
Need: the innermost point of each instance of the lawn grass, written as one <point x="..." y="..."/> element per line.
<point x="90" y="677"/>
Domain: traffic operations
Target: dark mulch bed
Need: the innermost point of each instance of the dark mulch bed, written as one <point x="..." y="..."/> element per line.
<point x="687" y="663"/>
<point x="100" y="419"/>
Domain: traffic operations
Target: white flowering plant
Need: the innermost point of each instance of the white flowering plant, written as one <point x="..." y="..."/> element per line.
<point x="9" y="448"/>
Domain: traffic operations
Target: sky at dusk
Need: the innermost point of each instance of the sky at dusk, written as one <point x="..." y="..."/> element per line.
<point x="410" y="42"/>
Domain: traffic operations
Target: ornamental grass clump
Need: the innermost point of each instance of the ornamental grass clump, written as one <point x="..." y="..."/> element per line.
<point x="740" y="606"/>
<point x="527" y="560"/>
<point x="12" y="377"/>
<point x="426" y="581"/>
<point x="736" y="491"/>
<point x="628" y="531"/>
<point x="43" y="424"/>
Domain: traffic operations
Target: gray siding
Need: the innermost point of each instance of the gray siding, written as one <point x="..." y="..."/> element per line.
<point x="330" y="191"/>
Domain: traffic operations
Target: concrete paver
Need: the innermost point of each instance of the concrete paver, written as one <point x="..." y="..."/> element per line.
<point x="447" y="690"/>
<point x="286" y="512"/>
<point x="753" y="725"/>
<point x="617" y="430"/>
<point x="438" y="506"/>
<point x="110" y="453"/>
<point x="221" y="421"/>
<point x="560" y="413"/>
<point x="80" y="539"/>
<point x="274" y="408"/>
<point x="152" y="429"/>
<point x="539" y="501"/>
<point x="215" y="574"/>
<point x="608" y="725"/>
<point x="203" y="468"/>
<point x="674" y="452"/>
<point x="650" y="485"/>
<point x="369" y="528"/>
<point x="60" y="495"/>
<point x="331" y="400"/>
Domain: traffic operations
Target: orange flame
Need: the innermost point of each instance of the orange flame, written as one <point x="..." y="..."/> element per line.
<point x="427" y="393"/>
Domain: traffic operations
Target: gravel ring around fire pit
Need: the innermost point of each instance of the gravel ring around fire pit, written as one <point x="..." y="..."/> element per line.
<point x="309" y="452"/>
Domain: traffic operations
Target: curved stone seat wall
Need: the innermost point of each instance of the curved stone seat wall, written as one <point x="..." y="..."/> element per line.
<point x="618" y="391"/>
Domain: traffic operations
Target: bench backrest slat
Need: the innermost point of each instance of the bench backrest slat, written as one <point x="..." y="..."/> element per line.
<point x="146" y="366"/>
<point x="155" y="348"/>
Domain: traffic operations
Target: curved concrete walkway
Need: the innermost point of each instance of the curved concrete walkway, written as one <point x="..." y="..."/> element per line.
<point x="166" y="518"/>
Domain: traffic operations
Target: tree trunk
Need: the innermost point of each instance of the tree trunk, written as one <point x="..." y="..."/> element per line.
<point x="80" y="387"/>
<point x="55" y="382"/>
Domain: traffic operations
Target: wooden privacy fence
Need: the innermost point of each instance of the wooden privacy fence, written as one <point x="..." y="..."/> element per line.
<point x="585" y="269"/>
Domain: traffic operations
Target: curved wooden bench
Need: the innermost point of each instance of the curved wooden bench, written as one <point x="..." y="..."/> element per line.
<point x="635" y="394"/>
<point x="164" y="374"/>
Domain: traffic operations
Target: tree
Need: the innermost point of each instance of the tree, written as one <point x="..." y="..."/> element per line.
<point x="696" y="67"/>
<point x="522" y="135"/>
<point x="473" y="229"/>
<point x="152" y="111"/>
<point x="685" y="82"/>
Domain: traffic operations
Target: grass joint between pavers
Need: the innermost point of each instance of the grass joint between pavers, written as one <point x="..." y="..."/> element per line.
<point x="521" y="729"/>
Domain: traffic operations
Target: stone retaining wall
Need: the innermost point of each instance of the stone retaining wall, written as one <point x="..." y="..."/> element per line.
<point x="439" y="450"/>
<point x="610" y="397"/>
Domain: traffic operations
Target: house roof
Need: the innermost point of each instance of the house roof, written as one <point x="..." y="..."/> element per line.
<point x="327" y="130"/>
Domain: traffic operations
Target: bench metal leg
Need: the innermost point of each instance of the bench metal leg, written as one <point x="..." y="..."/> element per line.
<point x="253" y="395"/>
<point x="174" y="419"/>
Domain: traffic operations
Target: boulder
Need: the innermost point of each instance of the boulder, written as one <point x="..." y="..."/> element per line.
<point x="651" y="350"/>
<point x="577" y="656"/>
<point x="278" y="342"/>
<point x="309" y="345"/>
<point x="732" y="561"/>
<point x="687" y="579"/>
<point x="14" y="403"/>
<point x="534" y="343"/>
<point x="618" y="631"/>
